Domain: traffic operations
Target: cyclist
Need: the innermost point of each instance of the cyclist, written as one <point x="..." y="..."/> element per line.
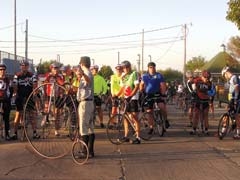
<point x="52" y="77"/>
<point x="23" y="84"/>
<point x="5" y="98"/>
<point x="153" y="83"/>
<point x="115" y="87"/>
<point x="233" y="95"/>
<point x="201" y="86"/>
<point x="100" y="88"/>
<point x="189" y="97"/>
<point x="130" y="87"/>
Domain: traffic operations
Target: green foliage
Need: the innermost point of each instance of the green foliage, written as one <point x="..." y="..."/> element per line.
<point x="195" y="63"/>
<point x="233" y="12"/>
<point x="234" y="46"/>
<point x="45" y="67"/>
<point x="106" y="72"/>
<point x="171" y="75"/>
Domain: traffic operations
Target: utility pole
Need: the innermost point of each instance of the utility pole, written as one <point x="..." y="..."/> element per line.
<point x="26" y="41"/>
<point x="185" y="51"/>
<point x="93" y="61"/>
<point x="118" y="57"/>
<point x="58" y="57"/>
<point x="138" y="62"/>
<point x="15" y="35"/>
<point x="142" y="48"/>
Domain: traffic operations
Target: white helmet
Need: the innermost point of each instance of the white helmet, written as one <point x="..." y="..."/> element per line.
<point x="224" y="70"/>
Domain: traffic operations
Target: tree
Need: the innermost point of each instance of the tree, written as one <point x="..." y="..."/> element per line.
<point x="171" y="75"/>
<point x="234" y="46"/>
<point x="106" y="72"/>
<point x="233" y="12"/>
<point x="195" y="63"/>
<point x="45" y="67"/>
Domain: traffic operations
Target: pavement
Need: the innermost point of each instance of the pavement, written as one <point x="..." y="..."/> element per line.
<point x="176" y="156"/>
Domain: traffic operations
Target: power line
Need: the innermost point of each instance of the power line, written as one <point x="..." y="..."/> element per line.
<point x="10" y="26"/>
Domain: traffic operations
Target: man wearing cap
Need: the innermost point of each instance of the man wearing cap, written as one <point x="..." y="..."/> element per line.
<point x="115" y="87"/>
<point x="153" y="84"/>
<point x="86" y="105"/>
<point x="23" y="84"/>
<point x="100" y="88"/>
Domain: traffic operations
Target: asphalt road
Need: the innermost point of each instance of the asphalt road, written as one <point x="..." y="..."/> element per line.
<point x="176" y="156"/>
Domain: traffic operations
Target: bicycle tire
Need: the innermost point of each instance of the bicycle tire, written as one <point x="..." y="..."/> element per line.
<point x="223" y="123"/>
<point x="145" y="126"/>
<point x="80" y="152"/>
<point x="160" y="122"/>
<point x="49" y="145"/>
<point x="115" y="129"/>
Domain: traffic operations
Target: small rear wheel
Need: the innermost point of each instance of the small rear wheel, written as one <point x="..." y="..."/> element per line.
<point x="223" y="126"/>
<point x="80" y="152"/>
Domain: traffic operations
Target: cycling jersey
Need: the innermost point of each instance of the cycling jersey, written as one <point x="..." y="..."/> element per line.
<point x="24" y="83"/>
<point x="4" y="88"/>
<point x="115" y="84"/>
<point x="152" y="82"/>
<point x="202" y="88"/>
<point x="129" y="81"/>
<point x="50" y="78"/>
<point x="100" y="85"/>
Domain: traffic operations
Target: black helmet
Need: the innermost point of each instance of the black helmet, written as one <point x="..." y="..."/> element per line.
<point x="24" y="63"/>
<point x="151" y="64"/>
<point x="2" y="65"/>
<point x="126" y="64"/>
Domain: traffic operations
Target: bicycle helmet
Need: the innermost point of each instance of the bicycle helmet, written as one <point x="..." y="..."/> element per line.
<point x="206" y="74"/>
<point x="3" y="66"/>
<point x="151" y="64"/>
<point x="126" y="64"/>
<point x="94" y="67"/>
<point x="118" y="66"/>
<point x="24" y="63"/>
<point x="54" y="65"/>
<point x="224" y="70"/>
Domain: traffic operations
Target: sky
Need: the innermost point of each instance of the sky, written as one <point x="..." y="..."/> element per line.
<point x="111" y="31"/>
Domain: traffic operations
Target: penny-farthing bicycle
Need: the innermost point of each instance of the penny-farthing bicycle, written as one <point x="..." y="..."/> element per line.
<point x="53" y="113"/>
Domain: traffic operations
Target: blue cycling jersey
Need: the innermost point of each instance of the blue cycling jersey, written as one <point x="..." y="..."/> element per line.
<point x="152" y="82"/>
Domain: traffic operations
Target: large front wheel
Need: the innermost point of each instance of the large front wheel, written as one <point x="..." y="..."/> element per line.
<point x="50" y="118"/>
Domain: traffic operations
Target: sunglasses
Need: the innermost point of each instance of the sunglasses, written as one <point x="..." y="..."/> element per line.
<point x="2" y="69"/>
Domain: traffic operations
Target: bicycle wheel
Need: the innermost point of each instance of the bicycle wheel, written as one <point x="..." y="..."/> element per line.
<point x="145" y="132"/>
<point x="160" y="122"/>
<point x="115" y="129"/>
<point x="223" y="126"/>
<point x="44" y="125"/>
<point x="80" y="152"/>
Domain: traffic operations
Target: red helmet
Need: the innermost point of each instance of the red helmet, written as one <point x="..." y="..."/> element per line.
<point x="206" y="74"/>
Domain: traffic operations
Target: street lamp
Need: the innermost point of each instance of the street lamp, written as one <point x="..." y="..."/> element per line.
<point x="150" y="58"/>
<point x="138" y="62"/>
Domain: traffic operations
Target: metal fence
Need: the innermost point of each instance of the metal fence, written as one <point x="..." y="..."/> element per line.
<point x="13" y="66"/>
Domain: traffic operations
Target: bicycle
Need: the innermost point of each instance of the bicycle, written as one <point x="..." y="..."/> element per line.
<point x="115" y="126"/>
<point x="227" y="122"/>
<point x="158" y="117"/>
<point x="55" y="139"/>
